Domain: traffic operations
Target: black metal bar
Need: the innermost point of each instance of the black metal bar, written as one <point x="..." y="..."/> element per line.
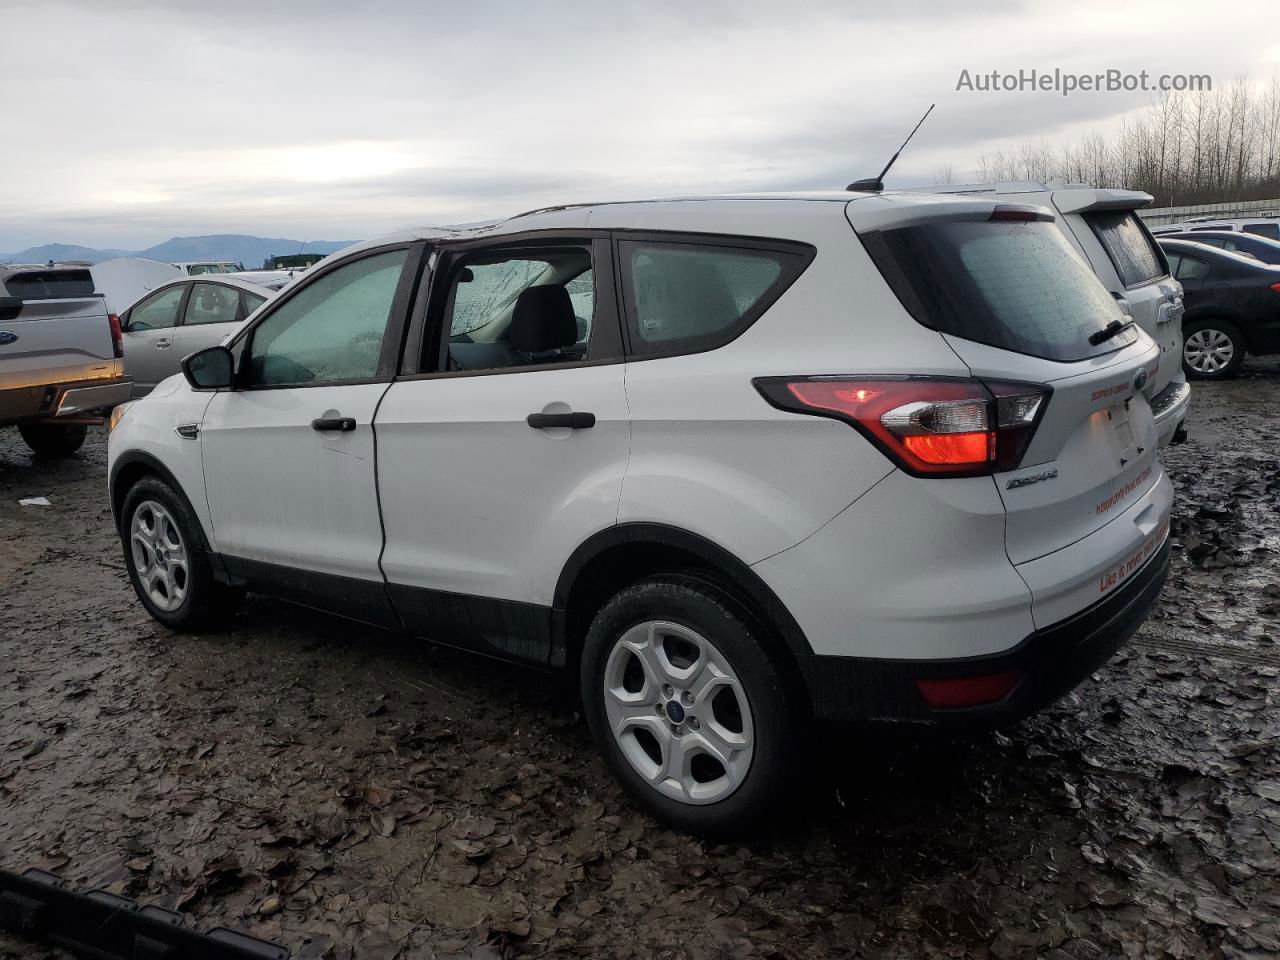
<point x="37" y="905"/>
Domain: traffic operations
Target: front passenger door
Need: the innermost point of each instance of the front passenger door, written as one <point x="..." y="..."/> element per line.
<point x="150" y="327"/>
<point x="289" y="452"/>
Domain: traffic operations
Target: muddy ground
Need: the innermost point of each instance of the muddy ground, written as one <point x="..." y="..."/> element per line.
<point x="353" y="794"/>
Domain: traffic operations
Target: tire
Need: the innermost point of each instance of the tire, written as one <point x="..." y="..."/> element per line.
<point x="168" y="560"/>
<point x="1212" y="349"/>
<point x="53" y="439"/>
<point x="747" y="715"/>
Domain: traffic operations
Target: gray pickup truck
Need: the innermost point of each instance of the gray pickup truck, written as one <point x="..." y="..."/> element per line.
<point x="61" y="356"/>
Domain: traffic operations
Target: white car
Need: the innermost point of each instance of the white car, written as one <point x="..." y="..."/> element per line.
<point x="181" y="317"/>
<point x="1267" y="225"/>
<point x="1105" y="229"/>
<point x="198" y="268"/>
<point x="739" y="463"/>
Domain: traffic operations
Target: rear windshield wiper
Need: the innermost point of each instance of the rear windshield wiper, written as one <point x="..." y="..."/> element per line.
<point x="1109" y="331"/>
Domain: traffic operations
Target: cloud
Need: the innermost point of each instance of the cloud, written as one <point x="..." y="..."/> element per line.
<point x="128" y="121"/>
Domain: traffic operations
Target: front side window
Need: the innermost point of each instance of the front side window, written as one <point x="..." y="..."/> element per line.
<point x="1269" y="230"/>
<point x="158" y="311"/>
<point x="1130" y="247"/>
<point x="330" y="330"/>
<point x="520" y="308"/>
<point x="684" y="297"/>
<point x="212" y="303"/>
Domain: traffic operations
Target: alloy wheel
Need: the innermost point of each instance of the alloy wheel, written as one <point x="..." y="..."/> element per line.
<point x="1208" y="351"/>
<point x="678" y="712"/>
<point x="159" y="555"/>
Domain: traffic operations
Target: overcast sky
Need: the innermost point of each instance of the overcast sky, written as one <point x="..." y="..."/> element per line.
<point x="125" y="123"/>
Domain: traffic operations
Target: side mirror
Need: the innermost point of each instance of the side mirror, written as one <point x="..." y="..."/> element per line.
<point x="10" y="307"/>
<point x="210" y="369"/>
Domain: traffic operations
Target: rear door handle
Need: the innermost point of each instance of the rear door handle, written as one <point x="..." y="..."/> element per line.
<point x="574" y="421"/>
<point x="342" y="424"/>
<point x="162" y="344"/>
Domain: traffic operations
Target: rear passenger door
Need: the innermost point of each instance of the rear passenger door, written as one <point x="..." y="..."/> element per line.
<point x="502" y="447"/>
<point x="214" y="311"/>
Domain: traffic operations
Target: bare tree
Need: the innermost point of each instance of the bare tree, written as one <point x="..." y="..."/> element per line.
<point x="1184" y="148"/>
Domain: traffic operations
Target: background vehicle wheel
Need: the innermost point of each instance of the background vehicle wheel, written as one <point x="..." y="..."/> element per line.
<point x="168" y="564"/>
<point x="692" y="714"/>
<point x="53" y="439"/>
<point x="1212" y="349"/>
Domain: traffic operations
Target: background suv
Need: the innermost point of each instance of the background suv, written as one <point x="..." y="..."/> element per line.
<point x="1105" y="229"/>
<point x="738" y="463"/>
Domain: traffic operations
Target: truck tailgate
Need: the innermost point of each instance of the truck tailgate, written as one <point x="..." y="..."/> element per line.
<point x="57" y="341"/>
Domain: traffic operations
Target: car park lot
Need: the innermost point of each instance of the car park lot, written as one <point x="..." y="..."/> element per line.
<point x="336" y="789"/>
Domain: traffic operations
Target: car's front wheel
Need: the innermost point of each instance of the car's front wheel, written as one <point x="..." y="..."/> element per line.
<point x="692" y="713"/>
<point x="1212" y="349"/>
<point x="53" y="439"/>
<point x="166" y="559"/>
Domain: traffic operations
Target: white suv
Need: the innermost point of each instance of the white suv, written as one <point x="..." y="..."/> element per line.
<point x="741" y="463"/>
<point x="1104" y="227"/>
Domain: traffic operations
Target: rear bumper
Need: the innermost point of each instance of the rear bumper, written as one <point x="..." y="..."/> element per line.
<point x="1047" y="664"/>
<point x="1170" y="407"/>
<point x="54" y="400"/>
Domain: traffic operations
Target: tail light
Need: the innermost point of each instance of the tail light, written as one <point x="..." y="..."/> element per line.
<point x="1276" y="287"/>
<point x="928" y="426"/>
<point x="117" y="335"/>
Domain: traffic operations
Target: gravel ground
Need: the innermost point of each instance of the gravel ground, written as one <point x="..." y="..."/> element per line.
<point x="353" y="794"/>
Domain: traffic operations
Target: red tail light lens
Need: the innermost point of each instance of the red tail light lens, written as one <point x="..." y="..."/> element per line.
<point x="927" y="426"/>
<point x="1276" y="287"/>
<point x="117" y="335"/>
<point x="967" y="691"/>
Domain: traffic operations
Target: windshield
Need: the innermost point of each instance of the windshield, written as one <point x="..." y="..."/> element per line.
<point x="1018" y="286"/>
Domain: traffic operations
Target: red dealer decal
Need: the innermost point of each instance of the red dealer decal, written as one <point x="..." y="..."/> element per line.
<point x="1130" y="565"/>
<point x="1123" y="492"/>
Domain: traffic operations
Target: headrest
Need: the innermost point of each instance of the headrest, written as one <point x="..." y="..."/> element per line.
<point x="543" y="319"/>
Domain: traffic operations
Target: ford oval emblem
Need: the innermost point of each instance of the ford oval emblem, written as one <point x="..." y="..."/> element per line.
<point x="1140" y="379"/>
<point x="7" y="338"/>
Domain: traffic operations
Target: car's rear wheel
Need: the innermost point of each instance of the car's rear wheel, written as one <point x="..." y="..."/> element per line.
<point x="53" y="439"/>
<point x="167" y="562"/>
<point x="1212" y="349"/>
<point x="691" y="712"/>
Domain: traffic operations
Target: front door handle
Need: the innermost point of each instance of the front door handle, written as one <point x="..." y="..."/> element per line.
<point x="341" y="424"/>
<point x="574" y="421"/>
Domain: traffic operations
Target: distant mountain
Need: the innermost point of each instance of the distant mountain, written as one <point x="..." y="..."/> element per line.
<point x="251" y="251"/>
<point x="59" y="251"/>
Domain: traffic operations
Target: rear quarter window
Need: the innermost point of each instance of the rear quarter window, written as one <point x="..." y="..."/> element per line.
<point x="1132" y="251"/>
<point x="684" y="297"/>
<point x="1017" y="286"/>
<point x="1269" y="230"/>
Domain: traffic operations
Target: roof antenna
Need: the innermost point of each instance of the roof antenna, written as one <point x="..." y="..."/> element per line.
<point x="876" y="184"/>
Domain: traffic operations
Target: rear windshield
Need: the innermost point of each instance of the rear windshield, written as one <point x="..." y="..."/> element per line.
<point x="1130" y="248"/>
<point x="50" y="284"/>
<point x="1017" y="286"/>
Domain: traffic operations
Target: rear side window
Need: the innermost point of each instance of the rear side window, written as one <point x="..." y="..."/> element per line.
<point x="1270" y="230"/>
<point x="1017" y="286"/>
<point x="1130" y="247"/>
<point x="50" y="284"/>
<point x="1190" y="268"/>
<point x="686" y="297"/>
